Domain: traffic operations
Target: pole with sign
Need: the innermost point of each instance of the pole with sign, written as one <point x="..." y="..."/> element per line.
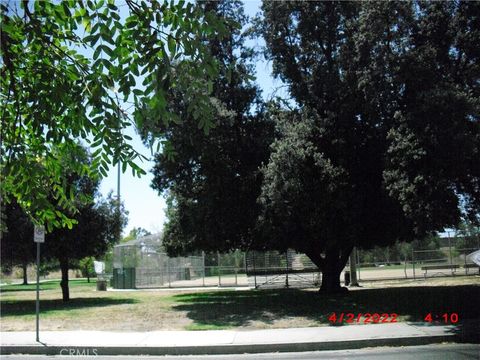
<point x="38" y="237"/>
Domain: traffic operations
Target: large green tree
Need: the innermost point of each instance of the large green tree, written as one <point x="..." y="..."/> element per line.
<point x="385" y="142"/>
<point x="99" y="221"/>
<point x="17" y="246"/>
<point x="98" y="224"/>
<point x="213" y="181"/>
<point x="75" y="70"/>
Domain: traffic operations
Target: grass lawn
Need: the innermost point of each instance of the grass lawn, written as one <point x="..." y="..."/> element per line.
<point x="46" y="285"/>
<point x="223" y="309"/>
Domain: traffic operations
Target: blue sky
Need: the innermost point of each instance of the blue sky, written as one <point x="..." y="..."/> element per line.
<point x="145" y="206"/>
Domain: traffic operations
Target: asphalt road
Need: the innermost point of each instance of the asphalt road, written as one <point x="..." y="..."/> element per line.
<point x="427" y="352"/>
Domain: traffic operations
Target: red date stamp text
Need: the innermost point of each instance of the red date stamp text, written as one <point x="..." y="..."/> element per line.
<point x="365" y="318"/>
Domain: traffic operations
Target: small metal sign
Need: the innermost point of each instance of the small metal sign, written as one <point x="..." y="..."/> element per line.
<point x="39" y="234"/>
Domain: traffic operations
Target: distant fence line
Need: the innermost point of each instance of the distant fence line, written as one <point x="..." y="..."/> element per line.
<point x="146" y="268"/>
<point x="421" y="264"/>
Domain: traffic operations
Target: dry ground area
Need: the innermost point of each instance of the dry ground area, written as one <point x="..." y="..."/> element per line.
<point x="420" y="282"/>
<point x="221" y="309"/>
<point x="89" y="309"/>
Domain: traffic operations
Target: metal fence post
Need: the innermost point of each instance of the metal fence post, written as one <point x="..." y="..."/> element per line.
<point x="413" y="263"/>
<point x="203" y="258"/>
<point x="168" y="271"/>
<point x="245" y="261"/>
<point x="254" y="271"/>
<point x="358" y="263"/>
<point x="450" y="249"/>
<point x="218" y="269"/>
<point x="450" y="254"/>
<point x="286" y="277"/>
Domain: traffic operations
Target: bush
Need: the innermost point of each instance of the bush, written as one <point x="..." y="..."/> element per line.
<point x="86" y="267"/>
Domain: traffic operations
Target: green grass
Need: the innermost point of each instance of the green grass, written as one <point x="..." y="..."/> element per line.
<point x="203" y="327"/>
<point x="212" y="310"/>
<point x="14" y="303"/>
<point x="46" y="285"/>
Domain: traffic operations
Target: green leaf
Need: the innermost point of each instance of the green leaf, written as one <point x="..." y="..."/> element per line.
<point x="87" y="24"/>
<point x="96" y="53"/>
<point x="171" y="45"/>
<point x="100" y="3"/>
<point x="131" y="24"/>
<point x="103" y="172"/>
<point x="107" y="50"/>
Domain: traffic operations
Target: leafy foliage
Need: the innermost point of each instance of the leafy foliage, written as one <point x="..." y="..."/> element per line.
<point x="97" y="230"/>
<point x="386" y="140"/>
<point x="17" y="246"/>
<point x="68" y="70"/>
<point x="99" y="223"/>
<point x="86" y="266"/>
<point x="213" y="182"/>
<point x="135" y="233"/>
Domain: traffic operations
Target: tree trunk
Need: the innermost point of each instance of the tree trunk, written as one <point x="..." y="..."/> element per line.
<point x="331" y="281"/>
<point x="353" y="268"/>
<point x="88" y="273"/>
<point x="25" y="277"/>
<point x="331" y="266"/>
<point x="64" y="282"/>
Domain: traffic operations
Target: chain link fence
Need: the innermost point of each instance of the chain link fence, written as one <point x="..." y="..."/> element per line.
<point x="143" y="263"/>
<point x="418" y="260"/>
<point x="275" y="269"/>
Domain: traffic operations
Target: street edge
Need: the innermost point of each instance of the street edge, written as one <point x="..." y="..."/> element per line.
<point x="226" y="349"/>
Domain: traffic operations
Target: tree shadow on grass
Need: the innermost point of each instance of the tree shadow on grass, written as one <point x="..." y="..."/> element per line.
<point x="27" y="307"/>
<point x="240" y="308"/>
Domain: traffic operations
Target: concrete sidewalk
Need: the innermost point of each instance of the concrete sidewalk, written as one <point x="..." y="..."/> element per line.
<point x="233" y="341"/>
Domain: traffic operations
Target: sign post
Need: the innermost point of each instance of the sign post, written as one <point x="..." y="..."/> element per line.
<point x="38" y="237"/>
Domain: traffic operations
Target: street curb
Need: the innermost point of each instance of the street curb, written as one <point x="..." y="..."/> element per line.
<point x="225" y="349"/>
